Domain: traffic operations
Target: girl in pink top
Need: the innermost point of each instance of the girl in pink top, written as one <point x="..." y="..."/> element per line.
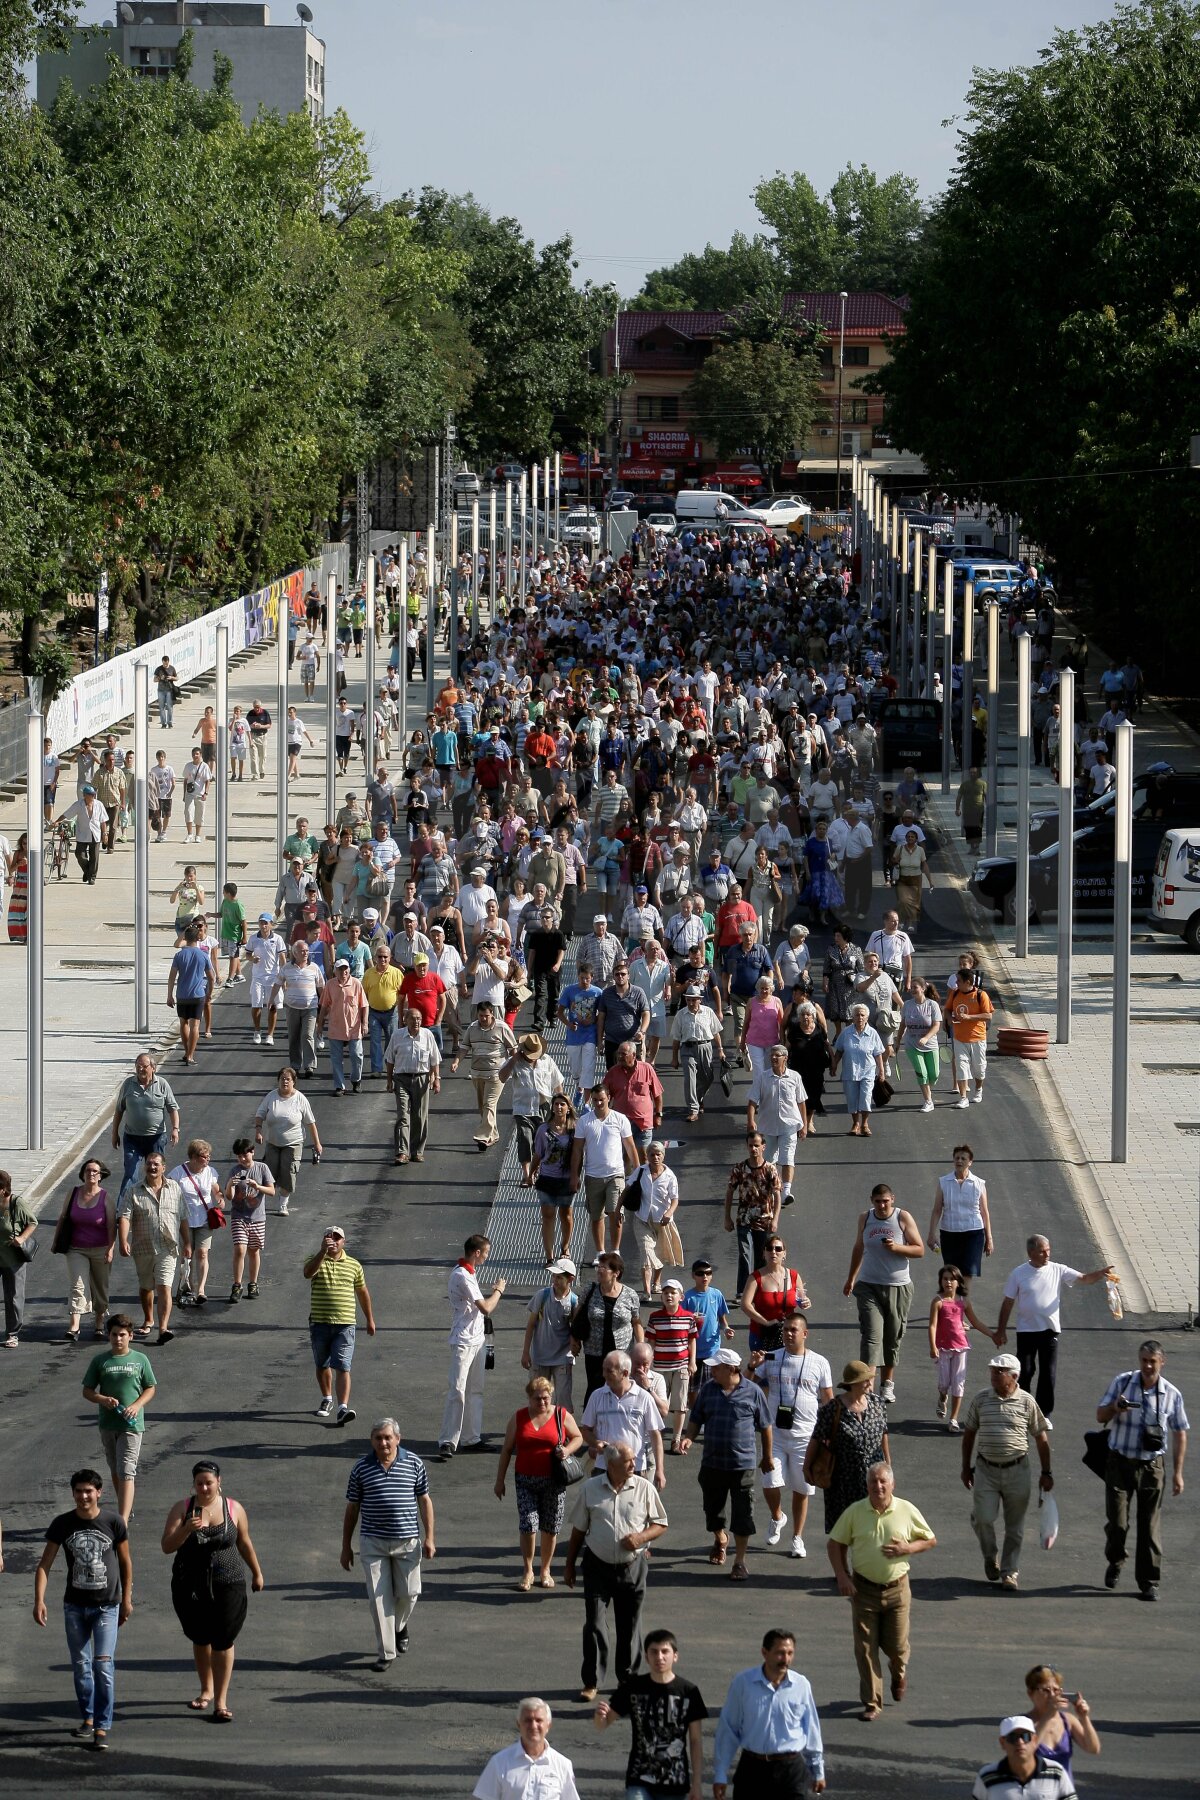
<point x="949" y="1315"/>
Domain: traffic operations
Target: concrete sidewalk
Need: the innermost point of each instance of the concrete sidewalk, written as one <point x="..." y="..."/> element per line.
<point x="1144" y="1211"/>
<point x="88" y="980"/>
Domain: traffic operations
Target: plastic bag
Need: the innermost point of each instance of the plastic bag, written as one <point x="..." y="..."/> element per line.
<point x="1047" y="1520"/>
<point x="1112" y="1292"/>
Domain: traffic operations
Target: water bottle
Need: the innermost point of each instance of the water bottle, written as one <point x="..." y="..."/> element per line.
<point x="1112" y="1290"/>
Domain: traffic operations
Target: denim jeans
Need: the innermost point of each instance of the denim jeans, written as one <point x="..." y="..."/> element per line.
<point x="751" y="1247"/>
<point x="92" y="1643"/>
<point x="382" y="1025"/>
<point x="166" y="708"/>
<point x="337" y="1057"/>
<point x="135" y="1147"/>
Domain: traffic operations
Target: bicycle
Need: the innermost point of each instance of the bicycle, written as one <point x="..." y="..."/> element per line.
<point x="60" y="849"/>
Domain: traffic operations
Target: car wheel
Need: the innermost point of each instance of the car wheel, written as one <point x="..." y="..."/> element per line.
<point x="1191" y="934"/>
<point x="1008" y="910"/>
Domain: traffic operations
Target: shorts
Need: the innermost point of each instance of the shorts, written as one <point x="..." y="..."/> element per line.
<point x="781" y="1147"/>
<point x="332" y="1346"/>
<point x="201" y="1236"/>
<point x="208" y="754"/>
<point x="261" y="990"/>
<point x="952" y="1372"/>
<point x="556" y="1190"/>
<point x="970" y="1061"/>
<point x="790" y="1452"/>
<point x="189" y="1009"/>
<point x="677" y="1380"/>
<point x="581" y="1059"/>
<point x="643" y="1136"/>
<point x="540" y="1505"/>
<point x="121" y="1452"/>
<point x="248" y="1231"/>
<point x="732" y="1487"/>
<point x="603" y="1195"/>
<point x="231" y="947"/>
<point x="155" y="1268"/>
<point x="283" y="1160"/>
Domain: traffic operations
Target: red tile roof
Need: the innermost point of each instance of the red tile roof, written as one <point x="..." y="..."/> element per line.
<point x="866" y="315"/>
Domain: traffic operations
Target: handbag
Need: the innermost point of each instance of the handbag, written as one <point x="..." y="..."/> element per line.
<point x="216" y="1218"/>
<point x="1095" y="1452"/>
<point x="822" y="1460"/>
<point x="882" y="1092"/>
<point x="60" y="1243"/>
<point x="24" y="1252"/>
<point x="565" y="1470"/>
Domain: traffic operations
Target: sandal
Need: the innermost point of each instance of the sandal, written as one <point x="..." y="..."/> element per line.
<point x="221" y="1715"/>
<point x="525" y="1583"/>
<point x="716" y="1555"/>
<point x="739" y="1572"/>
<point x="201" y="1703"/>
<point x="546" y="1581"/>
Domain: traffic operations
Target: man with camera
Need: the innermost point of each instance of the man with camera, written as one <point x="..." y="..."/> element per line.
<point x="796" y="1381"/>
<point x="1140" y="1408"/>
<point x="337" y="1284"/>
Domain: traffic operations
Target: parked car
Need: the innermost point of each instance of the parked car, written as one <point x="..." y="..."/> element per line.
<point x="581" y="527"/>
<point x="660" y="521"/>
<point x="1175" y="893"/>
<point x="781" y="510"/>
<point x="465" y="482"/>
<point x="509" y="471"/>
<point x="654" y="503"/>
<point x="994" y="881"/>
<point x="993" y="577"/>
<point x="1160" y="793"/>
<point x="620" y="500"/>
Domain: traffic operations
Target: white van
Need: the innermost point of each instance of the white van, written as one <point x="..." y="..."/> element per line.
<point x="1175" y="896"/>
<point x="699" y="505"/>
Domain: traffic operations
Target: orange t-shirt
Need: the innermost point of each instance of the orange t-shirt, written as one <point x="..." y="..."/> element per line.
<point x="969" y="1015"/>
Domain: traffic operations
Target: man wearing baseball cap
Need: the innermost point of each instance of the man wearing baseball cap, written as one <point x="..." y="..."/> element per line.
<point x="427" y="992"/>
<point x="1002" y="1419"/>
<point x="90" y="821"/>
<point x="729" y="1411"/>
<point x="1023" y="1771"/>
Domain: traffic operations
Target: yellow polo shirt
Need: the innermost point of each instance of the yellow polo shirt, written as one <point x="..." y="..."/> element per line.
<point x="865" y="1531"/>
<point x="382" y="986"/>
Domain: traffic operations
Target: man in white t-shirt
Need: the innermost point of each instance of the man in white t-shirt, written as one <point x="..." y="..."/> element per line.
<point x="604" y="1156"/>
<point x="1035" y="1289"/>
<point x="470" y="1309"/>
<point x="796" y="1381"/>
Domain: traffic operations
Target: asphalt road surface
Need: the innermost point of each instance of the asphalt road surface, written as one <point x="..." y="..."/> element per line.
<point x="238" y="1384"/>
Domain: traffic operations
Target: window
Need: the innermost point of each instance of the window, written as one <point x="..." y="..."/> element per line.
<point x="857" y="414"/>
<point x="858" y="356"/>
<point x="658" y="406"/>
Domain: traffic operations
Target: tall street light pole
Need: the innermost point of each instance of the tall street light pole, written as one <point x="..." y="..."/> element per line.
<point x="35" y="908"/>
<point x="842" y="298"/>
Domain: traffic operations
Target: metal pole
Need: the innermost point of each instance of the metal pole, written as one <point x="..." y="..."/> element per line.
<point x="475" y="566"/>
<point x="141" y="849"/>
<point x="1122" y="948"/>
<point x="837" y="487"/>
<point x="930" y="617"/>
<point x="508" y="516"/>
<point x="35" y="944"/>
<point x="222" y="780"/>
<point x="282" y="621"/>
<point x="558" y="496"/>
<point x="492" y="556"/>
<point x="452" y="634"/>
<point x="369" y="666"/>
<point x="431" y="620"/>
<point x="533" y="504"/>
<point x="1024" y="727"/>
<point x="947" y="664"/>
<point x="546" y="491"/>
<point x="1066" y="849"/>
<point x="906" y="683"/>
<point x="524" y="535"/>
<point x="993" y="724"/>
<point x="886" y="581"/>
<point x="968" y="675"/>
<point x="918" y="636"/>
<point x="402" y="671"/>
<point x="330" y="706"/>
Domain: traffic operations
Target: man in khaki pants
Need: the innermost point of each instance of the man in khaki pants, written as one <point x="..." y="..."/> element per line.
<point x="488" y="1043"/>
<point x="870" y="1548"/>
<point x="1003" y="1418"/>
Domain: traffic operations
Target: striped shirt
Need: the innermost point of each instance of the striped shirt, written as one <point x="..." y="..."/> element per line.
<point x="387" y="1497"/>
<point x="670" y="1333"/>
<point x="334" y="1283"/>
<point x="1160" y="1405"/>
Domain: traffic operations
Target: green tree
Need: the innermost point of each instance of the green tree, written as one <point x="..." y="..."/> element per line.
<point x="1052" y="358"/>
<point x="760" y="398"/>
<point x="864" y="235"/>
<point x="803" y="235"/>
<point x="714" y="281"/>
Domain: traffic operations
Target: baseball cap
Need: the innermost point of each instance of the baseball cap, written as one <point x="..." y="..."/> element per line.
<point x="410" y="915"/>
<point x="640" y="888"/>
<point x="672" y="1283"/>
<point x="420" y="957"/>
<point x="342" y="962"/>
<point x="1005" y="1361"/>
<point x="724" y="1359"/>
<point x="702" y="1267"/>
<point x="371" y="913"/>
<point x="265" y="918"/>
<point x="1017" y="1722"/>
<point x="333" y="1231"/>
<point x="693" y="993"/>
<point x="600" y="919"/>
<point x="564" y="1266"/>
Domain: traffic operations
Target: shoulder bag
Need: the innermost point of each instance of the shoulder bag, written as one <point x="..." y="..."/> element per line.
<point x="24" y="1252"/>
<point x="565" y="1470"/>
<point x="214" y="1215"/>
<point x="61" y="1241"/>
<point x="822" y="1460"/>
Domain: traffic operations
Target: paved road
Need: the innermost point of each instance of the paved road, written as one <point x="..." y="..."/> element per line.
<point x="238" y="1384"/>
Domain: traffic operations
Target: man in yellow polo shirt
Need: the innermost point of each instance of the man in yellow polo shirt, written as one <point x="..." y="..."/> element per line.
<point x="381" y="984"/>
<point x="336" y="1285"/>
<point x="870" y="1548"/>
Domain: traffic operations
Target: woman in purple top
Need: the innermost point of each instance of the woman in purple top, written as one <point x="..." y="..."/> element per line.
<point x="87" y="1231"/>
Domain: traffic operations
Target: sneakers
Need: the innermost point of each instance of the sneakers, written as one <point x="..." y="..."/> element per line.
<point x="269" y="1041"/>
<point x="257" y="1037"/>
<point x="252" y="1291"/>
<point x="282" y="1209"/>
<point x="235" y="1292"/>
<point x="992" y="1571"/>
<point x="941" y="1406"/>
<point x="774" y="1529"/>
<point x="797" y="1548"/>
<point x="325" y="1410"/>
<point x="345" y="1414"/>
<point x="977" y="1097"/>
<point x="887" y="1393"/>
<point x="962" y="1103"/>
<point x="1150" y="1591"/>
<point x="1010" y="1583"/>
<point x="954" y="1426"/>
<point x="1112" y="1575"/>
<point x="928" y="1106"/>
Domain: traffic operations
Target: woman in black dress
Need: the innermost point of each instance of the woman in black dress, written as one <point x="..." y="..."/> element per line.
<point x="209" y="1537"/>
<point x="808" y="1052"/>
<point x="856" y="1423"/>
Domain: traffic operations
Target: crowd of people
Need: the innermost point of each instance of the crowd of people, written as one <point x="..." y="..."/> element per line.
<point x="648" y="807"/>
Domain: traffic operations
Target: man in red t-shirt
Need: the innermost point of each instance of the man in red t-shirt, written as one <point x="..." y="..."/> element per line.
<point x="732" y="914"/>
<point x="426" y="992"/>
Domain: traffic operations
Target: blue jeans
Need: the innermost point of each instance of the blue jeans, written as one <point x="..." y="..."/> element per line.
<point x="382" y="1025"/>
<point x="166" y="708"/>
<point x="337" y="1055"/>
<point x="332" y="1345"/>
<point x="92" y="1643"/>
<point x="135" y="1147"/>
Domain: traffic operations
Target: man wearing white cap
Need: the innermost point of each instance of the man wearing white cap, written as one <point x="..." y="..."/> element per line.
<point x="547" y="1347"/>
<point x="729" y="1411"/>
<point x="265" y="952"/>
<point x="600" y="951"/>
<point x="1003" y="1418"/>
<point x="1024" y="1771"/>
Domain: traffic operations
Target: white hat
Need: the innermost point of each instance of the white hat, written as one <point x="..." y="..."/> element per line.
<point x="724" y="1359"/>
<point x="370" y="912"/>
<point x="672" y="1283"/>
<point x="564" y="1266"/>
<point x="600" y="919"/>
<point x="1017" y="1722"/>
<point x="1005" y="1361"/>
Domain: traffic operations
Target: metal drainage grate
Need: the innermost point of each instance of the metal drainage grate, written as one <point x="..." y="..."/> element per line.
<point x="95" y="965"/>
<point x="1160" y="975"/>
<point x="1191" y="1129"/>
<point x="1170" y="1068"/>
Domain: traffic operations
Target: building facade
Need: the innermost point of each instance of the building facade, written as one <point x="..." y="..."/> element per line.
<point x="280" y="67"/>
<point x="661" y="352"/>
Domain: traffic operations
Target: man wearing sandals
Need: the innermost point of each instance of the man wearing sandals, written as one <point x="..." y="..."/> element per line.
<point x="729" y="1411"/>
<point x="870" y="1548"/>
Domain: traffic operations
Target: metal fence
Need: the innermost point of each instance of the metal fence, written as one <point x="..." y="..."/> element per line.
<point x="13" y="720"/>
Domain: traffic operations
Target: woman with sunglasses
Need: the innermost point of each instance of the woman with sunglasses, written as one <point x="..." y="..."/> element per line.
<point x="770" y="1294"/>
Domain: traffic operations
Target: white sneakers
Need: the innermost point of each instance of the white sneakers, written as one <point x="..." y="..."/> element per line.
<point x="954" y="1426"/>
<point x="941" y="1406"/>
<point x="282" y="1209"/>
<point x="797" y="1548"/>
<point x="962" y="1103"/>
<point x="325" y="1410"/>
<point x="977" y="1096"/>
<point x="928" y="1106"/>
<point x="257" y="1037"/>
<point x="268" y="1039"/>
<point x="774" y="1529"/>
<point x="887" y="1392"/>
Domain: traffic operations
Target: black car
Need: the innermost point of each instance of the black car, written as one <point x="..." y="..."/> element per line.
<point x="994" y="881"/>
<point x="1163" y="794"/>
<point x="910" y="731"/>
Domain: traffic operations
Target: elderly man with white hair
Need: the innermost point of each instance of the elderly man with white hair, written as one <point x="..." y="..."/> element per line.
<point x="614" y="1516"/>
<point x="387" y="1494"/>
<point x="528" y="1769"/>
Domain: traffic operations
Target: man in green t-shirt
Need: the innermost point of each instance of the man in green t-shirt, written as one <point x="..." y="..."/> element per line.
<point x="337" y="1284"/>
<point x="232" y="932"/>
<point x="120" y="1382"/>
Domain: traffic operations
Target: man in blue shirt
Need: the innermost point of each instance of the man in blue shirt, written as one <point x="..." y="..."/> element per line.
<point x="390" y="1490"/>
<point x="710" y="1308"/>
<point x="729" y="1411"/>
<point x="189" y="985"/>
<point x="771" y="1717"/>
<point x="576" y="1011"/>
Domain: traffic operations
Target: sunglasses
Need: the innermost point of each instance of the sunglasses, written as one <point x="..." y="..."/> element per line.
<point x="775" y="1249"/>
<point x="1019" y="1737"/>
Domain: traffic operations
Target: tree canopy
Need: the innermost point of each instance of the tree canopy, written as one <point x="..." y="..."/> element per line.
<point x="1052" y="357"/>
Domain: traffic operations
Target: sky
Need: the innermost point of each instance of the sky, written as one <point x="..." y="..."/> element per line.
<point x="641" y="127"/>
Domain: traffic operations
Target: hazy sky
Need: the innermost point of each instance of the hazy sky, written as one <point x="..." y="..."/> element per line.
<point x="642" y="126"/>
